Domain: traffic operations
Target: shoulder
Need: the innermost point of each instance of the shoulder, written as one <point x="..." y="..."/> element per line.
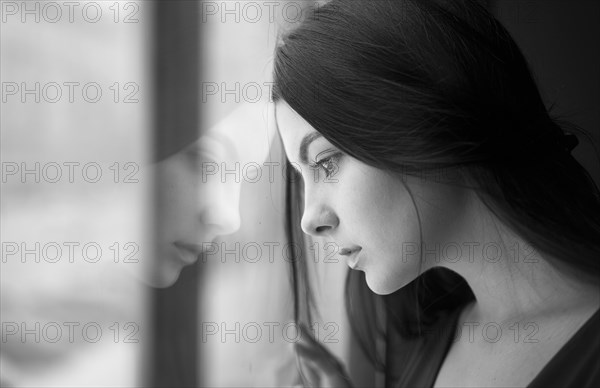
<point x="576" y="365"/>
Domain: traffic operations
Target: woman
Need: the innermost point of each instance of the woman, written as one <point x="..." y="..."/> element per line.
<point x="442" y="178"/>
<point x="197" y="176"/>
<point x="196" y="200"/>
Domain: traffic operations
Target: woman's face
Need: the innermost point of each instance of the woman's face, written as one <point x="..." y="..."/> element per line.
<point x="198" y="190"/>
<point x="368" y="213"/>
<point x="195" y="204"/>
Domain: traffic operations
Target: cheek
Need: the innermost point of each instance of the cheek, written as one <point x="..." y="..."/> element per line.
<point x="391" y="234"/>
<point x="442" y="214"/>
<point x="389" y="214"/>
<point x="222" y="194"/>
<point x="393" y="261"/>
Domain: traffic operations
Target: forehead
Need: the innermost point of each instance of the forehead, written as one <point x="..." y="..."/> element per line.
<point x="292" y="128"/>
<point x="243" y="135"/>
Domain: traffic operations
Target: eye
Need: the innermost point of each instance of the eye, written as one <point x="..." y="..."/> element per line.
<point x="328" y="164"/>
<point x="199" y="160"/>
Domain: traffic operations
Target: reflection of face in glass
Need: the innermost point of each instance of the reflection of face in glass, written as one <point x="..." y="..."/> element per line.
<point x="194" y="205"/>
<point x="198" y="191"/>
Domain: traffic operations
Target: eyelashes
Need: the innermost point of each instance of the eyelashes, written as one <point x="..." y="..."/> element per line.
<point x="329" y="164"/>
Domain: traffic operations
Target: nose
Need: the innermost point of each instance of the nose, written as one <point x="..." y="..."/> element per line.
<point x="318" y="221"/>
<point x="222" y="220"/>
<point x="219" y="207"/>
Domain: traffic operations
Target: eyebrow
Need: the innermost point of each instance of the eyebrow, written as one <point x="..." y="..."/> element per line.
<point x="306" y="143"/>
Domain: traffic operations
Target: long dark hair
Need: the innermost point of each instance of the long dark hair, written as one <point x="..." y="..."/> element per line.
<point x="415" y="87"/>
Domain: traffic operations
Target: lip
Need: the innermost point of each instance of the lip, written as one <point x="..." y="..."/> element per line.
<point x="352" y="256"/>
<point x="188" y="253"/>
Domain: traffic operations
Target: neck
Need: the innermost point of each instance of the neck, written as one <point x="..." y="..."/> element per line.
<point x="510" y="280"/>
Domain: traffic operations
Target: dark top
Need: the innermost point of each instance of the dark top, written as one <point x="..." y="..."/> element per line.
<point x="577" y="363"/>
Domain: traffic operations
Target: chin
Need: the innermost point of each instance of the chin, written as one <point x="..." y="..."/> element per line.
<point x="383" y="285"/>
<point x="378" y="286"/>
<point x="158" y="270"/>
<point x="162" y="274"/>
<point x="164" y="279"/>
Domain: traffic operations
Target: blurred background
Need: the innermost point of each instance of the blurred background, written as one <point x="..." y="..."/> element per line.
<point x="74" y="128"/>
<point x="142" y="192"/>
